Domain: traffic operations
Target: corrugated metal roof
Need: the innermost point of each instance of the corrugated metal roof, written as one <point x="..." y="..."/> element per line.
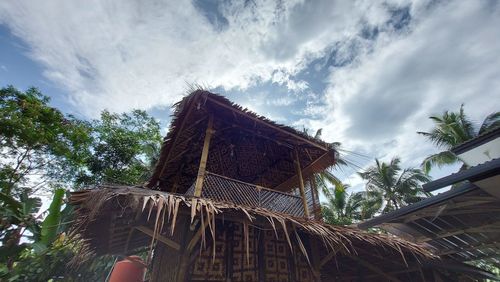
<point x="477" y="141"/>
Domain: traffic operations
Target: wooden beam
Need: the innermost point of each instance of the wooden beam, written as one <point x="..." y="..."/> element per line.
<point x="471" y="210"/>
<point x="204" y="156"/>
<point x="493" y="227"/>
<point x="196" y="237"/>
<point x="316" y="204"/>
<point x="374" y="268"/>
<point x="301" y="183"/>
<point x="327" y="258"/>
<point x="472" y="247"/>
<point x="277" y="128"/>
<point x="148" y="231"/>
<point x="446" y="208"/>
<point x="308" y="170"/>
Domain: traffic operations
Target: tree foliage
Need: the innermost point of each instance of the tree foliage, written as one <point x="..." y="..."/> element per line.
<point x="43" y="149"/>
<point x="36" y="139"/>
<point x="343" y="208"/>
<point x="397" y="187"/>
<point x="124" y="148"/>
<point x="452" y="129"/>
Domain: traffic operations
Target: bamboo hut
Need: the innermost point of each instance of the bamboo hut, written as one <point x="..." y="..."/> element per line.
<point x="232" y="198"/>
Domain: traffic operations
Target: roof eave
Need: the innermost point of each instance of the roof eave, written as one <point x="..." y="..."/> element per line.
<point x="475" y="173"/>
<point x="418" y="206"/>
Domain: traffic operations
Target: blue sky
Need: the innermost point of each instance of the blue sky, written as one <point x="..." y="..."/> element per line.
<point x="368" y="73"/>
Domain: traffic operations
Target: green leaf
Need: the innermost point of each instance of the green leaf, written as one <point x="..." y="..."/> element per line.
<point x="51" y="222"/>
<point x="39" y="247"/>
<point x="30" y="205"/>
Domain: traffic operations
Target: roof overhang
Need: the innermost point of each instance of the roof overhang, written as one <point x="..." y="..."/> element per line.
<point x="462" y="223"/>
<point x="473" y="174"/>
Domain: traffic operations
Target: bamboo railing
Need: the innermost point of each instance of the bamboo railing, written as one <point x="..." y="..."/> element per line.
<point x="221" y="188"/>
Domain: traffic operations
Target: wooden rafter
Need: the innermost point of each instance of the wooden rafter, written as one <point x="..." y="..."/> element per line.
<point x="148" y="231"/>
<point x="277" y="128"/>
<point x="308" y="170"/>
<point x="327" y="258"/>
<point x="451" y="208"/>
<point x="471" y="247"/>
<point x="492" y="227"/>
<point x="196" y="238"/>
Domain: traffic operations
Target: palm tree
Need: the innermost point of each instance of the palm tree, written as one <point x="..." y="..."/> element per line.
<point x="452" y="129"/>
<point x="397" y="187"/>
<point x="342" y="208"/>
<point x="326" y="178"/>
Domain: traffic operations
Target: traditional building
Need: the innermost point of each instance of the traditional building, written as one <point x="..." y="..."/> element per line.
<point x="233" y="198"/>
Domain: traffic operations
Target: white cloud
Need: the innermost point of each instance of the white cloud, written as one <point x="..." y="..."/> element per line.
<point x="121" y="55"/>
<point x="139" y="54"/>
<point x="450" y="55"/>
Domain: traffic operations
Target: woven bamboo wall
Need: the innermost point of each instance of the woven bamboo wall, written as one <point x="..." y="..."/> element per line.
<point x="268" y="259"/>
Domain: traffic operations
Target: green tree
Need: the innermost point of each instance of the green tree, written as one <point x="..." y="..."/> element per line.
<point x="37" y="140"/>
<point x="41" y="148"/>
<point x="125" y="147"/>
<point x="326" y="179"/>
<point x="343" y="208"/>
<point x="452" y="129"/>
<point x="397" y="187"/>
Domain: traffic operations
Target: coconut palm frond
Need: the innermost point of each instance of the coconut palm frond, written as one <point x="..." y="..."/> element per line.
<point x="452" y="129"/>
<point x="392" y="186"/>
<point x="491" y="122"/>
<point x="439" y="160"/>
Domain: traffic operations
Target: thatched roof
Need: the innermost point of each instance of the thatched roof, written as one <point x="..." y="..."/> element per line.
<point x="106" y="218"/>
<point x="245" y="146"/>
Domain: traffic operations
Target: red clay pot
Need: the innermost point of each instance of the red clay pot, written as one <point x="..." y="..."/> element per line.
<point x="130" y="269"/>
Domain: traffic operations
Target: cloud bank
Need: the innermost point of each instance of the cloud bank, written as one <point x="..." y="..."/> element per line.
<point x="368" y="73"/>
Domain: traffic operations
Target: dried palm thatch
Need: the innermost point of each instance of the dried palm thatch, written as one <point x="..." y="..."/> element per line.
<point x="101" y="213"/>
<point x="244" y="146"/>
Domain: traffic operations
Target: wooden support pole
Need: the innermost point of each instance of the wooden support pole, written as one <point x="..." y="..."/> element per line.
<point x="327" y="258"/>
<point x="204" y="155"/>
<point x="184" y="255"/>
<point x="308" y="170"/>
<point x="315" y="259"/>
<point x="196" y="238"/>
<point x="316" y="203"/>
<point x="148" y="231"/>
<point x="301" y="183"/>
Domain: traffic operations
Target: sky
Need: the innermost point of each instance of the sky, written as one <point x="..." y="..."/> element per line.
<point x="368" y="73"/>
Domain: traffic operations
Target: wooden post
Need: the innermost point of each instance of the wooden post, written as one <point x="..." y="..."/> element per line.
<point x="316" y="203"/>
<point x="184" y="254"/>
<point x="204" y="155"/>
<point x="301" y="183"/>
<point x="315" y="261"/>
